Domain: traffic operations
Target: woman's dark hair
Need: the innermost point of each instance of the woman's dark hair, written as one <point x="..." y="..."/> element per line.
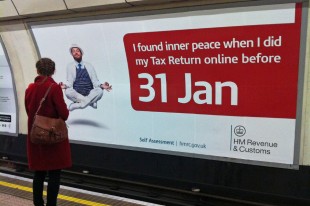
<point x="45" y="67"/>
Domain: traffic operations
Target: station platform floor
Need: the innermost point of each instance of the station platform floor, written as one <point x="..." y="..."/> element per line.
<point x="17" y="191"/>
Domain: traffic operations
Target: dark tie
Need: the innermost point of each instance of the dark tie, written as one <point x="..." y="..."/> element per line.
<point x="80" y="66"/>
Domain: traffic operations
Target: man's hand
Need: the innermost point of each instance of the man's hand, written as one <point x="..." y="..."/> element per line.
<point x="106" y="86"/>
<point x="62" y="85"/>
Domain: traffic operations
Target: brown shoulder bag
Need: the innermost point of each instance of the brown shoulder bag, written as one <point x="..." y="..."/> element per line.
<point x="46" y="130"/>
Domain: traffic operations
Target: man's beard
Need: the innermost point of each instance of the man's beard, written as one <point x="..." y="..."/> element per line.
<point x="77" y="59"/>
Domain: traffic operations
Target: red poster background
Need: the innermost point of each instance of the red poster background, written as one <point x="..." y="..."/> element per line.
<point x="264" y="89"/>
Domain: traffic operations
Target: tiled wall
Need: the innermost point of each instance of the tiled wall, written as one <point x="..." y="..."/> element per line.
<point x="14" y="9"/>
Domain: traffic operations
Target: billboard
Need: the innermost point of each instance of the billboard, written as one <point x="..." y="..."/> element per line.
<point x="8" y="122"/>
<point x="219" y="83"/>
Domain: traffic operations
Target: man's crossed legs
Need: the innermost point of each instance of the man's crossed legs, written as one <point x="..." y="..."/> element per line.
<point x="80" y="101"/>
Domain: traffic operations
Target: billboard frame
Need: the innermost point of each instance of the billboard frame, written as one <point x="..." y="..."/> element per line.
<point x="300" y="86"/>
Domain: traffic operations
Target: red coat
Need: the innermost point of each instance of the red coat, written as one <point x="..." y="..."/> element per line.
<point x="50" y="157"/>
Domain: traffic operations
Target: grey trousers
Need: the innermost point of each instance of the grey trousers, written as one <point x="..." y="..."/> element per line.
<point x="80" y="101"/>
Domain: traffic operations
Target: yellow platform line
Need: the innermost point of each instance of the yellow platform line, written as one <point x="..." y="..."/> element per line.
<point x="62" y="197"/>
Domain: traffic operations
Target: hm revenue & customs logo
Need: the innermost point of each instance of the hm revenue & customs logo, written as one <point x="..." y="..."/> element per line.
<point x="239" y="130"/>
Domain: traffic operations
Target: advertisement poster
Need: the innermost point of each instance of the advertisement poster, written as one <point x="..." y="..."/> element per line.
<point x="7" y="97"/>
<point x="214" y="83"/>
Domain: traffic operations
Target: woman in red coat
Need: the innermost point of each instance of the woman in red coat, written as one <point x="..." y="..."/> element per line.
<point x="46" y="159"/>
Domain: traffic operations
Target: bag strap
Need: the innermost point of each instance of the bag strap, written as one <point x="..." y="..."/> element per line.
<point x="43" y="99"/>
